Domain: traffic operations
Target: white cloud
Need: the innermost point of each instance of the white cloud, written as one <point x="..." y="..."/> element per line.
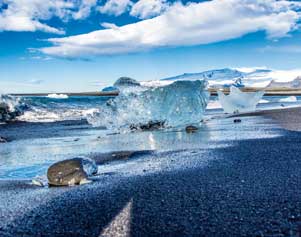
<point x="35" y="81"/>
<point x="84" y="9"/>
<point x="144" y="9"/>
<point x="181" y="25"/>
<point x="115" y="7"/>
<point x="108" y="25"/>
<point x="30" y="15"/>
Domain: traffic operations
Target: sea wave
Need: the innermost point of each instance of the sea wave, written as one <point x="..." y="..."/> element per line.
<point x="10" y="107"/>
<point x="45" y="109"/>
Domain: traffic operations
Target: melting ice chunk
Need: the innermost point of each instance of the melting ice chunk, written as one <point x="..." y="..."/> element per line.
<point x="238" y="101"/>
<point x="177" y="104"/>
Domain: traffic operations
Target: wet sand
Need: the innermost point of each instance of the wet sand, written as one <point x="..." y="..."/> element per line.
<point x="243" y="180"/>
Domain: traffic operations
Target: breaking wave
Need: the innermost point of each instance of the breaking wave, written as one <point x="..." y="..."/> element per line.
<point x="11" y="107"/>
<point x="45" y="109"/>
<point x="177" y="104"/>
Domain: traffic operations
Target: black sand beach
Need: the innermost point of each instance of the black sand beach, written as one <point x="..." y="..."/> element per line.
<point x="244" y="179"/>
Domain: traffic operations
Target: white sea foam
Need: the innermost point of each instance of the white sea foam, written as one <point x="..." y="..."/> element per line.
<point x="38" y="114"/>
<point x="10" y="107"/>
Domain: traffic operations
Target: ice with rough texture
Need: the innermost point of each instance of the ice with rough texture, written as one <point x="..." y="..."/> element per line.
<point x="238" y="101"/>
<point x="177" y="104"/>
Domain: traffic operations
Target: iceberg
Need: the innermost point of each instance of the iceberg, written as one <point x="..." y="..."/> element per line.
<point x="58" y="96"/>
<point x="238" y="101"/>
<point x="179" y="103"/>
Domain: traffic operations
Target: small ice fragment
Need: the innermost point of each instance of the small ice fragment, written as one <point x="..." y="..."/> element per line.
<point x="264" y="101"/>
<point x="37" y="182"/>
<point x="85" y="181"/>
<point x="238" y="101"/>
<point x="289" y="99"/>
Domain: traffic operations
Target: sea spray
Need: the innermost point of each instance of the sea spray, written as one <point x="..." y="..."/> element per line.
<point x="177" y="104"/>
<point x="10" y="107"/>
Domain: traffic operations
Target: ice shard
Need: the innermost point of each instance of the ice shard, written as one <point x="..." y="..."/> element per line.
<point x="238" y="101"/>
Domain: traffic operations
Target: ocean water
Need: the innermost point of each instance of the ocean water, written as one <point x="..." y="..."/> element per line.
<point x="52" y="129"/>
<point x="46" y="109"/>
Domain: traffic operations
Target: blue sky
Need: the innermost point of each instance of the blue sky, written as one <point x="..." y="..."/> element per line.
<point x="83" y="45"/>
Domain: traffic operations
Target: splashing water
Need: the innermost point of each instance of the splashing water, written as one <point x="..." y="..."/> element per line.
<point x="177" y="104"/>
<point x="10" y="107"/>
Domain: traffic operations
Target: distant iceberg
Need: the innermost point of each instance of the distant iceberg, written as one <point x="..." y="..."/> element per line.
<point x="58" y="96"/>
<point x="238" y="101"/>
<point x="126" y="82"/>
<point x="110" y="89"/>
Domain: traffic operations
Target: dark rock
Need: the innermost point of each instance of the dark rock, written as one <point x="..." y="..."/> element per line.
<point x="191" y="129"/>
<point x="237" y="120"/>
<point x="3" y="140"/>
<point x="70" y="172"/>
<point x="150" y="126"/>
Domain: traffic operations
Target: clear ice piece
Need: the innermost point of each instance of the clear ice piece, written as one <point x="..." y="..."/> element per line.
<point x="238" y="101"/>
<point x="176" y="104"/>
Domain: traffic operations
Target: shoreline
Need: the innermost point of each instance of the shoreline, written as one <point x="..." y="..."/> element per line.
<point x="213" y="92"/>
<point x="227" y="179"/>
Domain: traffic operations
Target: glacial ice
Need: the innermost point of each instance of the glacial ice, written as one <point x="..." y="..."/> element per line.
<point x="58" y="96"/>
<point x="238" y="101"/>
<point x="176" y="104"/>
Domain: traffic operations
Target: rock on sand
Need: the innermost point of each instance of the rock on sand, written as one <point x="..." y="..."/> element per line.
<point x="71" y="172"/>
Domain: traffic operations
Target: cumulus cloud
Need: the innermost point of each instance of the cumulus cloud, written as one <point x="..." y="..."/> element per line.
<point x="30" y="15"/>
<point x="181" y="25"/>
<point x="84" y="9"/>
<point x="144" y="9"/>
<point x="115" y="7"/>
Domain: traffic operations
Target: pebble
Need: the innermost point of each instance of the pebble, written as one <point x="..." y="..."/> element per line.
<point x="191" y="129"/>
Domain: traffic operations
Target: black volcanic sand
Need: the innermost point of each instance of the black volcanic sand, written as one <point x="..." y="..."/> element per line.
<point x="249" y="188"/>
<point x="288" y="118"/>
